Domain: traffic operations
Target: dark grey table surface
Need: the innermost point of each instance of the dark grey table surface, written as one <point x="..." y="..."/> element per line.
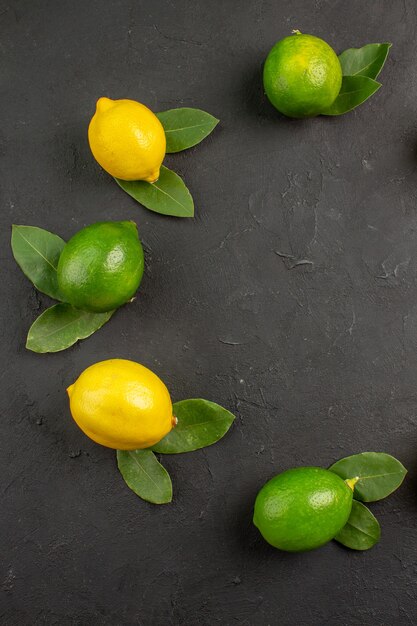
<point x="317" y="362"/>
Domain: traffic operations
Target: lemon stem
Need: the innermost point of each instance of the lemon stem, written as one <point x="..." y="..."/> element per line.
<point x="351" y="482"/>
<point x="295" y="31"/>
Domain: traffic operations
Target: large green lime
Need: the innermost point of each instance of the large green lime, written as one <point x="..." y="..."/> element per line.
<point x="302" y="509"/>
<point x="302" y="75"/>
<point x="101" y="266"/>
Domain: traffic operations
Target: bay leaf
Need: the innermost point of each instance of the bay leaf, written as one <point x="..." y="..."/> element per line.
<point x="354" y="91"/>
<point x="362" y="530"/>
<point x="186" y="127"/>
<point x="144" y="474"/>
<point x="366" y="61"/>
<point x="60" y="326"/>
<point x="168" y="195"/>
<point x="200" y="424"/>
<point x="379" y="474"/>
<point x="37" y="252"/>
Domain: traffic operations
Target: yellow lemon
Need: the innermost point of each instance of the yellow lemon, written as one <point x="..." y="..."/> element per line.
<point x="127" y="139"/>
<point x="121" y="404"/>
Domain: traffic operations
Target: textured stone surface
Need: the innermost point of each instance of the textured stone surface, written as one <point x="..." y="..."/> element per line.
<point x="317" y="360"/>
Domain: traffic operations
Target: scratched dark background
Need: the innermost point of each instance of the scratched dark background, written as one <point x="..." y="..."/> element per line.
<point x="317" y="361"/>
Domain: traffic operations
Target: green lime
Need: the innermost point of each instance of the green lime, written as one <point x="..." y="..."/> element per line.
<point x="302" y="509"/>
<point x="302" y="75"/>
<point x="101" y="266"/>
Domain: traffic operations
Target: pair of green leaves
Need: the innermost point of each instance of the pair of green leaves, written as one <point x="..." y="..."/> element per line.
<point x="378" y="475"/>
<point x="200" y="424"/>
<point x="360" y="67"/>
<point x="37" y="252"/>
<point x="184" y="128"/>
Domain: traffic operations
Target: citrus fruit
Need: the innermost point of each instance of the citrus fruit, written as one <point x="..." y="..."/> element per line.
<point x="302" y="75"/>
<point x="127" y="139"/>
<point x="101" y="266"/>
<point x="121" y="404"/>
<point x="303" y="508"/>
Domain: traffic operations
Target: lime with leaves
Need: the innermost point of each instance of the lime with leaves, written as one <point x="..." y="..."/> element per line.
<point x="302" y="75"/>
<point x="303" y="508"/>
<point x="101" y="266"/>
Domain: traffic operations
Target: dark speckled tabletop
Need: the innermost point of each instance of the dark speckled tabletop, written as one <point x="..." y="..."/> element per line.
<point x="317" y="361"/>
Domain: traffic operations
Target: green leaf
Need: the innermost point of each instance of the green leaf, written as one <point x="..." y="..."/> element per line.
<point x="353" y="92"/>
<point x="367" y="61"/>
<point x="145" y="476"/>
<point x="37" y="252"/>
<point x="168" y="195"/>
<point x="200" y="423"/>
<point x="61" y="325"/>
<point x="185" y="127"/>
<point x="379" y="474"/>
<point x="362" y="530"/>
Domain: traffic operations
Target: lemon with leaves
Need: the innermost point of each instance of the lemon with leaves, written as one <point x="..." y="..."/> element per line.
<point x="127" y="139"/>
<point x="302" y="75"/>
<point x="303" y="508"/>
<point x="101" y="266"/>
<point x="121" y="404"/>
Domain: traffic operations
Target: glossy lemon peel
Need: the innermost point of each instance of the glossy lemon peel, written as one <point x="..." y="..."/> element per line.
<point x="127" y="139"/>
<point x="121" y="404"/>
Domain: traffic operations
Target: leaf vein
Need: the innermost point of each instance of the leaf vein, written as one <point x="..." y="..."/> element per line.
<point x="62" y="327"/>
<point x="144" y="471"/>
<point x="218" y="419"/>
<point x="173" y="130"/>
<point x="381" y="475"/>
<point x="361" y="530"/>
<point x="38" y="251"/>
<point x="169" y="196"/>
<point x="364" y="67"/>
<point x="349" y="93"/>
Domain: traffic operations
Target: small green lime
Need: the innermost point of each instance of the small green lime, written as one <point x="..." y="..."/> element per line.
<point x="302" y="509"/>
<point x="302" y="75"/>
<point x="101" y="266"/>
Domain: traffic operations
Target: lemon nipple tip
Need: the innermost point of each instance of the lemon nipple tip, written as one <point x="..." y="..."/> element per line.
<point x="153" y="177"/>
<point x="103" y="104"/>
<point x="69" y="390"/>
